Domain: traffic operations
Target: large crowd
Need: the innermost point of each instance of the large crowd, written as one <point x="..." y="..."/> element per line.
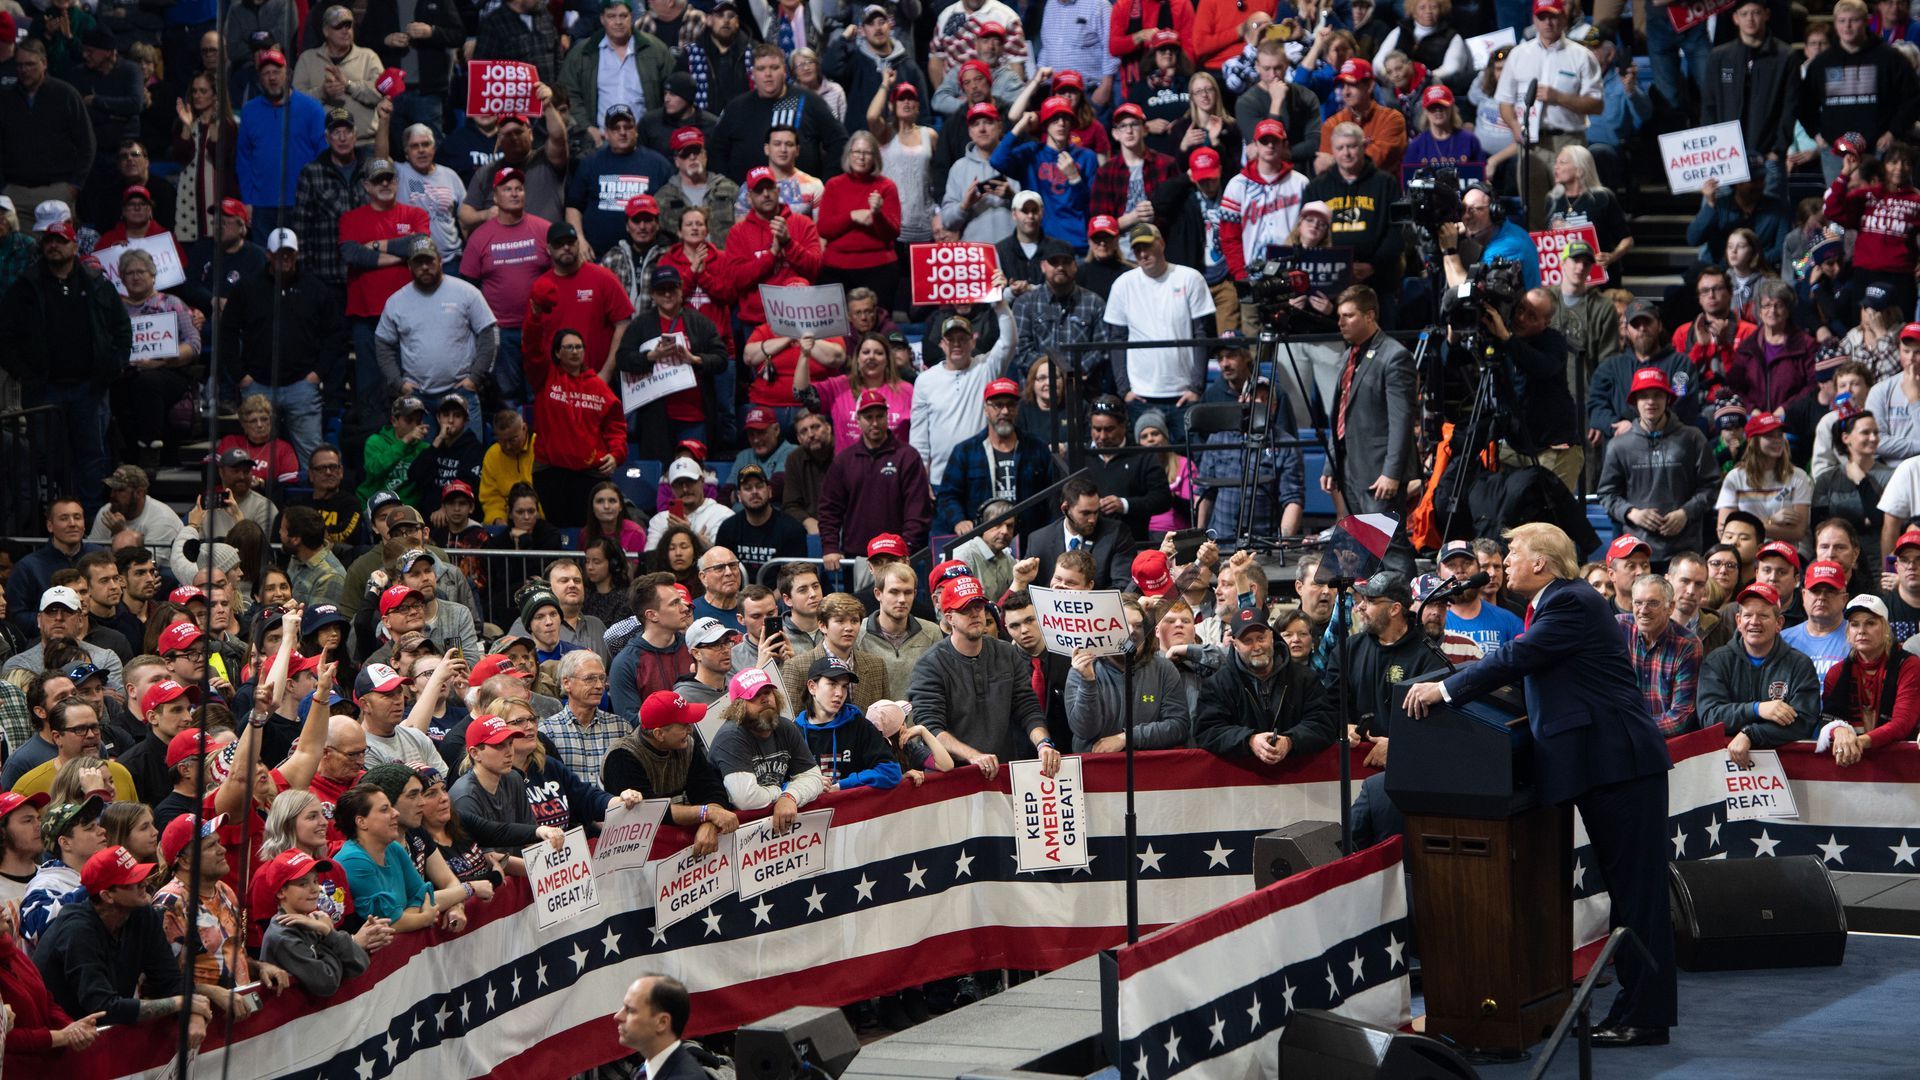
<point x="457" y="585"/>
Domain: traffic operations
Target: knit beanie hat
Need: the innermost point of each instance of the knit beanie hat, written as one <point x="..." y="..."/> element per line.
<point x="390" y="777"/>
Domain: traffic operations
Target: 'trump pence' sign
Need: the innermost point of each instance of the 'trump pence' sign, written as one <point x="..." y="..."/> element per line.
<point x="1049" y="817"/>
<point x="1697" y="155"/>
<point x="562" y="880"/>
<point x="499" y="87"/>
<point x="953" y="273"/>
<point x="1071" y="620"/>
<point x="796" y="311"/>
<point x="1760" y="791"/>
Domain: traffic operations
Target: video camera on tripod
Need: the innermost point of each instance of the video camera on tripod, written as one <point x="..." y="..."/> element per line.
<point x="1273" y="283"/>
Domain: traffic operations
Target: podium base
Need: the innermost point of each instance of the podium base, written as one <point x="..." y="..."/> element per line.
<point x="1493" y="907"/>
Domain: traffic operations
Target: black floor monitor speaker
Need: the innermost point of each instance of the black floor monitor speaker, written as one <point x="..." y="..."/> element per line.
<point x="1290" y="849"/>
<point x="803" y="1041"/>
<point x="1743" y="914"/>
<point x="1318" y="1045"/>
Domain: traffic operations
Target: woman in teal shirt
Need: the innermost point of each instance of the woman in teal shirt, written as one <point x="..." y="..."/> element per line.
<point x="380" y="875"/>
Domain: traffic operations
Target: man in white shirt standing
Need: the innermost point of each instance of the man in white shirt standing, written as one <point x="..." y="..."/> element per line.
<point x="1159" y="301"/>
<point x="1568" y="76"/>
<point x="946" y="398"/>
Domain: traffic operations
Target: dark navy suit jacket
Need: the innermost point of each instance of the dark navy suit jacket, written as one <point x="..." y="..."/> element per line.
<point x="1589" y="725"/>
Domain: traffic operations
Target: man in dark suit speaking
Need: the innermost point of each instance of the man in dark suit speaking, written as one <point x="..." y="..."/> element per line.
<point x="1594" y="746"/>
<point x="1082" y="527"/>
<point x="652" y="1017"/>
<point x="1373" y="416"/>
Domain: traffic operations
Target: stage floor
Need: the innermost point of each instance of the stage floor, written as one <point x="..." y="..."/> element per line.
<point x="1851" y="1021"/>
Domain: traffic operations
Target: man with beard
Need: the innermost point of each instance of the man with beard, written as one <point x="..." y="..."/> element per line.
<point x="718" y="62"/>
<point x="693" y="186"/>
<point x="975" y="693"/>
<point x="129" y="507"/>
<point x="1393" y="649"/>
<point x="544" y="172"/>
<point x="1005" y="463"/>
<point x="859" y="56"/>
<point x="1061" y="312"/>
<point x="762" y="755"/>
<point x="436" y="337"/>
<point x="604" y="184"/>
<point x="141" y="572"/>
<point x="1258" y="706"/>
<point x="757" y="531"/>
<point x="592" y="302"/>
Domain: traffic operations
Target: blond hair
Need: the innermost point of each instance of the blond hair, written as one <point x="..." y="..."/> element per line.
<point x="1547" y="542"/>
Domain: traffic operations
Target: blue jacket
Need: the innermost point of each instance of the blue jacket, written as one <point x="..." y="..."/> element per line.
<point x="851" y="750"/>
<point x="1066" y="205"/>
<point x="1590" y="727"/>
<point x="968" y="483"/>
<point x="1621" y="114"/>
<point x="560" y="797"/>
<point x="31" y="577"/>
<point x="257" y="154"/>
<point x="1510" y="241"/>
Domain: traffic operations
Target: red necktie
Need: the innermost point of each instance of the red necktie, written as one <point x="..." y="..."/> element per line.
<point x="1526" y="624"/>
<point x="1346" y="392"/>
<point x="1039" y="683"/>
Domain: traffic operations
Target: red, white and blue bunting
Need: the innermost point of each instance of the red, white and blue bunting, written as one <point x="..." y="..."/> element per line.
<point x="1205" y="998"/>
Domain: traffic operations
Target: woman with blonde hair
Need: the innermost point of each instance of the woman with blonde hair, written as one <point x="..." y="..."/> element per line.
<point x="1578" y="198"/>
<point x="130" y="825"/>
<point x="298" y="822"/>
<point x="1426" y="36"/>
<point x="1767" y="484"/>
<point x="1207" y="123"/>
<point x="872" y="368"/>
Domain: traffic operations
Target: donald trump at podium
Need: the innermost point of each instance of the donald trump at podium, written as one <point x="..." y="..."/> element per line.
<point x="1594" y="746"/>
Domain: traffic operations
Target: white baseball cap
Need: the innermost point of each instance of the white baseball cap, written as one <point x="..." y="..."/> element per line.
<point x="1867" y="602"/>
<point x="60" y="596"/>
<point x="707" y="631"/>
<point x="683" y="469"/>
<point x="6" y="203"/>
<point x="282" y="240"/>
<point x="50" y="213"/>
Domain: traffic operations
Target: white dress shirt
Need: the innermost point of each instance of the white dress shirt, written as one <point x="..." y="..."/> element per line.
<point x="1563" y="66"/>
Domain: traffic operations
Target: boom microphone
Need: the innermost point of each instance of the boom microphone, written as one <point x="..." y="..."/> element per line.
<point x="1459" y="586"/>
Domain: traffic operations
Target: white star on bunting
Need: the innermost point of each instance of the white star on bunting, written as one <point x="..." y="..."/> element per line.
<point x="1253" y="1014"/>
<point x="1830" y="851"/>
<point x="393" y="1051"/>
<point x="1679" y="842"/>
<point x="916" y="878"/>
<point x="1173" y="1048"/>
<point x="712" y="919"/>
<point x="1217" y="855"/>
<point x="366" y="1067"/>
<point x="864" y="888"/>
<point x="762" y="912"/>
<point x="963" y="866"/>
<point x="1217" y="1032"/>
<point x="611" y="943"/>
<point x="1713" y="831"/>
<point x="1764" y="845"/>
<point x="1150" y="859"/>
<point x="1903" y="853"/>
<point x="579" y="957"/>
<point x="1394" y="948"/>
<point x="814" y="899"/>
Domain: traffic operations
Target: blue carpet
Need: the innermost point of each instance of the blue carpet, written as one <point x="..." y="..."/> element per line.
<point x="1853" y="1021"/>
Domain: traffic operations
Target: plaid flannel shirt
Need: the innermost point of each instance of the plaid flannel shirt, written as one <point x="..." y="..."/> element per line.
<point x="322" y="195"/>
<point x="1668" y="670"/>
<point x="1110" y="183"/>
<point x="584" y="749"/>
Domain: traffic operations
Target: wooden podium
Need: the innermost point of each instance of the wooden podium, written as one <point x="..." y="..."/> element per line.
<point x="1492" y="873"/>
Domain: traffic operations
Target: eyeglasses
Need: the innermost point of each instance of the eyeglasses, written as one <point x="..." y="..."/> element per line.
<point x="591" y="680"/>
<point x="357" y="755"/>
<point x="1706" y="289"/>
<point x="336" y="467"/>
<point x="735" y="565"/>
<point x="197" y="654"/>
<point x="81" y="729"/>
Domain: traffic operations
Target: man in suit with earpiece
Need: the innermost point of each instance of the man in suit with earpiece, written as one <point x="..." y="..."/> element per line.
<point x="652" y="1018"/>
<point x="1081" y="525"/>
<point x="1373" y="419"/>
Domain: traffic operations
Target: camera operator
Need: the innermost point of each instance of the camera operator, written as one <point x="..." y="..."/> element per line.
<point x="1546" y="426"/>
<point x="1484" y="228"/>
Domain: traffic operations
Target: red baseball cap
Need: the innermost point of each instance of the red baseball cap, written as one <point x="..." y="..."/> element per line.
<point x="269" y="56"/>
<point x="187" y="594"/>
<point x="1626" y="544"/>
<point x="1355" y="71"/>
<point x="1437" y="94"/>
<point x="1162" y="39"/>
<point x="506" y="173"/>
<point x="1543" y="7"/>
<point x="1204" y="163"/>
<point x="1001" y="388"/>
<point x="1910" y="332"/>
<point x="887" y="544"/>
<point x="178" y="636"/>
<point x="988" y="29"/>
<point x="685" y="137"/>
<point x="1760" y="590"/>
<point x="1782" y="549"/>
<point x="759" y="418"/>
<point x="664" y="708"/>
<point x="1056" y="106"/>
<point x="62" y="229"/>
<point x="456" y="487"/>
<point x="1069" y="78"/>
<point x="695" y="447"/>
<point x="982" y="110"/>
<point x="298" y="663"/>
<point x="1763" y="423"/>
<point x="235" y="208"/>
<point x="960" y="592"/>
<point x="758" y="175"/>
<point x="1828" y="573"/>
<point x="167" y="690"/>
<point x="490" y="731"/>
<point x="1103" y="225"/>
<point x="13" y="800"/>
<point x="187" y="744"/>
<point x="1150" y="574"/>
<point x="1910" y="538"/>
<point x="115" y="866"/>
<point x="179" y="833"/>
<point x="1650" y="378"/>
<point x="285" y="867"/>
<point x="494" y="664"/>
<point x="395" y="595"/>
<point x="136" y="191"/>
<point x="871" y="398"/>
<point x="978" y="67"/>
<point x="1129" y="109"/>
<point x="391" y="82"/>
<point x="643" y="204"/>
<point x="686" y="594"/>
<point x="1270" y="128"/>
<point x="944" y="571"/>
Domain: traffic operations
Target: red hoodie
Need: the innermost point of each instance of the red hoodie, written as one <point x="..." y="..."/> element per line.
<point x="35" y="1016"/>
<point x="710" y="291"/>
<point x="851" y="245"/>
<point x="752" y="262"/>
<point x="1886" y="222"/>
<point x="578" y="418"/>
